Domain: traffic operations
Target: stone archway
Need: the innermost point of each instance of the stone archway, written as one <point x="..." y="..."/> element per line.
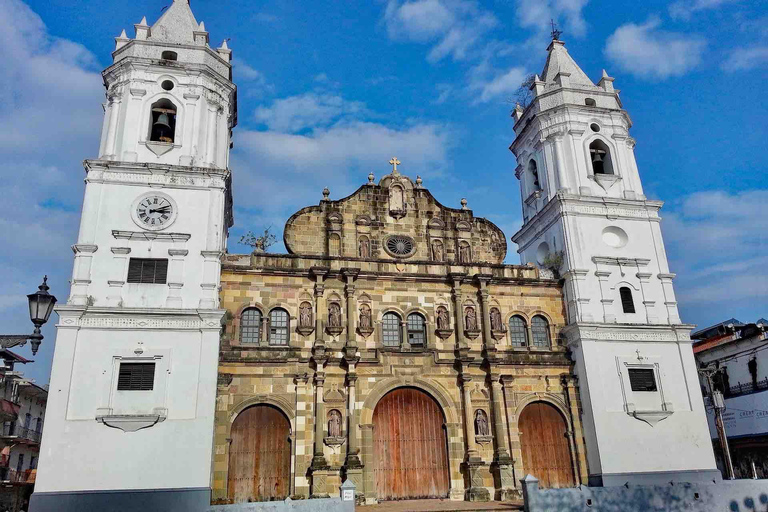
<point x="260" y="455"/>
<point x="410" y="446"/>
<point x="544" y="444"/>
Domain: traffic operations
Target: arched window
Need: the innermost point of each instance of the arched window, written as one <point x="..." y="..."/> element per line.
<point x="250" y="326"/>
<point x="627" y="303"/>
<point x="278" y="327"/>
<point x="601" y="158"/>
<point x="540" y="331"/>
<point x="162" y="121"/>
<point x="417" y="330"/>
<point x="390" y="330"/>
<point x="518" y="335"/>
<point x="534" y="170"/>
<point x="590" y="102"/>
<point x="169" y="55"/>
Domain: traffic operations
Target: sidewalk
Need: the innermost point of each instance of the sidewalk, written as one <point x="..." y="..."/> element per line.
<point x="439" y="506"/>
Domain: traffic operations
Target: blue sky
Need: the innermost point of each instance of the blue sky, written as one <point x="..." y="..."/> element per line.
<point x="329" y="91"/>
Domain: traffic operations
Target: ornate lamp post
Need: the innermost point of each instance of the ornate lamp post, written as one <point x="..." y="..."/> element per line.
<point x="40" y="308"/>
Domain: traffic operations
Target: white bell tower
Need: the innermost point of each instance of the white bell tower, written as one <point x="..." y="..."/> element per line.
<point x="132" y="394"/>
<point x="586" y="217"/>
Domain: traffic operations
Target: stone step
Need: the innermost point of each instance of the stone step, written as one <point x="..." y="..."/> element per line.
<point x="437" y="505"/>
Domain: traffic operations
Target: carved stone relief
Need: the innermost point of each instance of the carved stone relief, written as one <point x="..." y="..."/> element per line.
<point x="306" y="320"/>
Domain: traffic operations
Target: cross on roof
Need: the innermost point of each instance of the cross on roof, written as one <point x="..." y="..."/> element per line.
<point x="555" y="33"/>
<point x="394" y="162"/>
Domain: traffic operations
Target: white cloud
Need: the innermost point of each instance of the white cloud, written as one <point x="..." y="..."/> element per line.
<point x="744" y="59"/>
<point x="454" y="26"/>
<point x="50" y="119"/>
<point x="683" y="9"/>
<point x="504" y="83"/>
<point x="536" y="15"/>
<point x="646" y="51"/>
<point x="717" y="244"/>
<point x="296" y="113"/>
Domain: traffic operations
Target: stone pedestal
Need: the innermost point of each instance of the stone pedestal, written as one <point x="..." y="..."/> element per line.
<point x="504" y="480"/>
<point x="355" y="475"/>
<point x="477" y="470"/>
<point x="320" y="475"/>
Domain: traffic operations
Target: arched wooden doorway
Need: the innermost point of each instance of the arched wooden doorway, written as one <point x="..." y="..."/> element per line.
<point x="259" y="455"/>
<point x="544" y="443"/>
<point x="410" y="454"/>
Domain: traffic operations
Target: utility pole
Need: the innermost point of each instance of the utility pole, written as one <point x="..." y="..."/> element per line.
<point x="718" y="403"/>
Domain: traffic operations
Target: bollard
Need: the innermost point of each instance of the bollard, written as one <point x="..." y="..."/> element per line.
<point x="347" y="492"/>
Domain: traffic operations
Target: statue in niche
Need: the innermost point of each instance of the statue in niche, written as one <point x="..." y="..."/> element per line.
<point x="334" y="423"/>
<point x="366" y="323"/>
<point x="365" y="247"/>
<point x="464" y="256"/>
<point x="481" y="423"/>
<point x="443" y="320"/>
<point x="305" y="315"/>
<point x="396" y="199"/>
<point x="496" y="323"/>
<point x="470" y="319"/>
<point x="334" y="315"/>
<point x="437" y="250"/>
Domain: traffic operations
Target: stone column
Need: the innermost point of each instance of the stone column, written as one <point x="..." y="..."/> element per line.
<point x="557" y="143"/>
<point x="461" y="343"/>
<point x="503" y="464"/>
<point x="114" y="114"/>
<point x="320" y="467"/>
<point x="489" y="342"/>
<point x="350" y="274"/>
<point x="352" y="465"/>
<point x="210" y="144"/>
<point x="574" y="425"/>
<point x="302" y="411"/>
<point x="320" y="309"/>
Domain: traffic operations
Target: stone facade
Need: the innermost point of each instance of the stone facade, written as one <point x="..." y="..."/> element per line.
<point x="344" y="366"/>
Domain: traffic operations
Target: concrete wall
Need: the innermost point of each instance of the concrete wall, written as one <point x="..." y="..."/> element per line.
<point x="315" y="505"/>
<point x="734" y="496"/>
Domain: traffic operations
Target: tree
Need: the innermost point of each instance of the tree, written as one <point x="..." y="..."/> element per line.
<point x="523" y="95"/>
<point x="259" y="243"/>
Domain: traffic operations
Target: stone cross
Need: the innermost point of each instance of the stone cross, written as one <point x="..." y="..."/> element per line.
<point x="394" y="162"/>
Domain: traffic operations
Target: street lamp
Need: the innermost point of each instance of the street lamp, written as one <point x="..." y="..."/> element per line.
<point x="40" y="308"/>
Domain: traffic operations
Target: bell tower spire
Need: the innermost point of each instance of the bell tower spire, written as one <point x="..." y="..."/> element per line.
<point x="587" y="220"/>
<point x="137" y="346"/>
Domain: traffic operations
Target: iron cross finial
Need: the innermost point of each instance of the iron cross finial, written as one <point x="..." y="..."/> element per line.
<point x="555" y="33"/>
<point x="394" y="162"/>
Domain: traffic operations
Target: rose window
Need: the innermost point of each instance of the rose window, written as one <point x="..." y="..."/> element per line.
<point x="400" y="246"/>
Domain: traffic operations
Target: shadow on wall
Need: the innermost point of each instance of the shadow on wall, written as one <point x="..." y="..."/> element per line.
<point x="734" y="496"/>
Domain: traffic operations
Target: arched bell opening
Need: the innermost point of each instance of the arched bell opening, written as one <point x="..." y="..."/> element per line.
<point x="163" y="121"/>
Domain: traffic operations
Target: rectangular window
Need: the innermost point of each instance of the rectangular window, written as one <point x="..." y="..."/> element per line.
<point x="33" y="462"/>
<point x="136" y="377"/>
<point x="20" y="463"/>
<point x="147" y="271"/>
<point x="642" y="379"/>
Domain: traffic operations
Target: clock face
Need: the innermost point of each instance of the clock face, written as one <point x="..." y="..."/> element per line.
<point x="154" y="212"/>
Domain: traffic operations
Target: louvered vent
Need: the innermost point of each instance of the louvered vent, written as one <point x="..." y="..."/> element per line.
<point x="136" y="377"/>
<point x="147" y="271"/>
<point x="627" y="304"/>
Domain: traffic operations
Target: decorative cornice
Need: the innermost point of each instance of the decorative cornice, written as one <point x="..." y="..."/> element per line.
<point x="86" y="248"/>
<point x="120" y="250"/>
<point x="146" y="235"/>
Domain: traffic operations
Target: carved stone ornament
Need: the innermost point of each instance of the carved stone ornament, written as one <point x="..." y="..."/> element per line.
<point x="444" y="334"/>
<point x="365" y="322"/>
<point x="334" y="319"/>
<point x="306" y="320"/>
<point x="131" y="422"/>
<point x="483" y="439"/>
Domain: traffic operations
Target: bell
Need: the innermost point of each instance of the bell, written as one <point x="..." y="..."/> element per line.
<point x="596" y="157"/>
<point x="162" y="128"/>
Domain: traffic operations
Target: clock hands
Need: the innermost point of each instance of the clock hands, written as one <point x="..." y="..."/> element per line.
<point x="164" y="209"/>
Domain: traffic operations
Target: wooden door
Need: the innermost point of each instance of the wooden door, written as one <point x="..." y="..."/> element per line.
<point x="260" y="455"/>
<point x="410" y="453"/>
<point x="544" y="443"/>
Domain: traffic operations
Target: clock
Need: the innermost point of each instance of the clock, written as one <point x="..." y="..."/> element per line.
<point x="154" y="211"/>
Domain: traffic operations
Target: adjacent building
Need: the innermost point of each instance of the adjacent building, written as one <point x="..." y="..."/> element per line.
<point x="22" y="416"/>
<point x="739" y="354"/>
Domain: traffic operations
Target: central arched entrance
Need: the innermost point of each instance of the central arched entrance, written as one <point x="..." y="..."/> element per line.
<point x="544" y="443"/>
<point x="410" y="454"/>
<point x="260" y="455"/>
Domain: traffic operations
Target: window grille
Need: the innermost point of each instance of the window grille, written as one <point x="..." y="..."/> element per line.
<point x="627" y="304"/>
<point x="540" y="331"/>
<point x="417" y="330"/>
<point x="250" y="326"/>
<point x="147" y="271"/>
<point x="136" y="377"/>
<point x="517" y="332"/>
<point x="400" y="245"/>
<point x="642" y="379"/>
<point x="390" y="330"/>
<point x="278" y="327"/>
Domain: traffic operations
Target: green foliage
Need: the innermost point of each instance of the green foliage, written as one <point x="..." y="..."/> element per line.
<point x="259" y="243"/>
<point x="553" y="262"/>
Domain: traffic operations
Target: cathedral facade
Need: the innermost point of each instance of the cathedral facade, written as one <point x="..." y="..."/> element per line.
<point x="392" y="346"/>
